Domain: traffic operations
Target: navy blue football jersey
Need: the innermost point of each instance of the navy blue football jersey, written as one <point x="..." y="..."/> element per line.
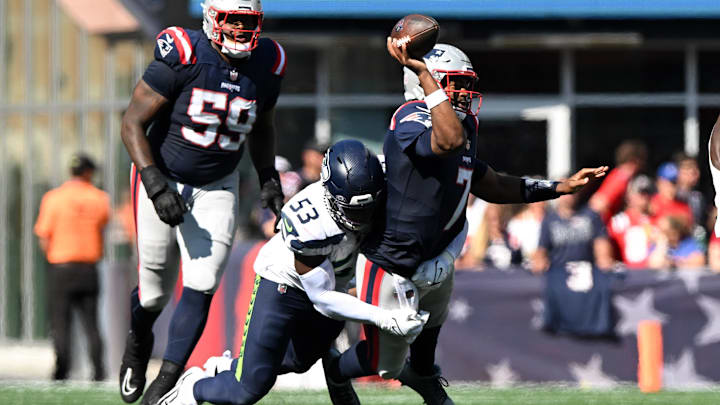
<point x="426" y="194"/>
<point x="199" y="138"/>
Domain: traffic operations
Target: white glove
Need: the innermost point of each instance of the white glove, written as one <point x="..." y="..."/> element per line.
<point x="404" y="322"/>
<point x="432" y="273"/>
<point x="217" y="364"/>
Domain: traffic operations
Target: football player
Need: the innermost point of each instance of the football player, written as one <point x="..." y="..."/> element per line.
<point x="204" y="96"/>
<point x="298" y="305"/>
<point x="714" y="161"/>
<point x="432" y="166"/>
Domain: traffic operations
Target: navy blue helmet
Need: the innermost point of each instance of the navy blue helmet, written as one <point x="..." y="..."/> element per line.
<point x="354" y="183"/>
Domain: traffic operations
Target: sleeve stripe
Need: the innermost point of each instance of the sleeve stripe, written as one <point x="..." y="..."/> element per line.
<point x="280" y="62"/>
<point x="392" y="121"/>
<point x="184" y="48"/>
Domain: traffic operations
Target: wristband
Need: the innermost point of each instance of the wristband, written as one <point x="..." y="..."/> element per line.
<point x="436" y="98"/>
<point x="268" y="173"/>
<point x="153" y="180"/>
<point x="539" y="190"/>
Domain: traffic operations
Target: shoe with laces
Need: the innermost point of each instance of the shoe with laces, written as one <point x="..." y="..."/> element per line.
<point x="431" y="387"/>
<point x="341" y="393"/>
<point x="134" y="365"/>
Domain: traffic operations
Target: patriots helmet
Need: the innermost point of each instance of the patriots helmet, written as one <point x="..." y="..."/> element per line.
<point x="354" y="184"/>
<point x="235" y="25"/>
<point x="454" y="72"/>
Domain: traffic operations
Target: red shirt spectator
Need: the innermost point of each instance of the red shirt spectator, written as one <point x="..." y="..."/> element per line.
<point x="631" y="230"/>
<point x="665" y="203"/>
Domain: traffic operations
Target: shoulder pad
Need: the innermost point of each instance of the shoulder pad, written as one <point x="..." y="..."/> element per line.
<point x="272" y="55"/>
<point x="175" y="46"/>
<point x="412" y="111"/>
<point x="307" y="229"/>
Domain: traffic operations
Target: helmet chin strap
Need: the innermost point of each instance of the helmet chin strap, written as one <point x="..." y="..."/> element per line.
<point x="461" y="115"/>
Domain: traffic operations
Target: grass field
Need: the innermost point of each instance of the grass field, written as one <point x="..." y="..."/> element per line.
<point x="81" y="394"/>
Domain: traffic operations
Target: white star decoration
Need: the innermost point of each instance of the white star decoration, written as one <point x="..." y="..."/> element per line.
<point x="710" y="333"/>
<point x="460" y="310"/>
<point x="538" y="307"/>
<point x="501" y="374"/>
<point x="682" y="375"/>
<point x="634" y="311"/>
<point x="591" y="374"/>
<point x="691" y="279"/>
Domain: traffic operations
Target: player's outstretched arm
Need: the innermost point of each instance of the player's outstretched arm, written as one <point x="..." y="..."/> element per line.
<point x="261" y="144"/>
<point x="503" y="189"/>
<point x="447" y="132"/>
<point x="715" y="145"/>
<point x="320" y="288"/>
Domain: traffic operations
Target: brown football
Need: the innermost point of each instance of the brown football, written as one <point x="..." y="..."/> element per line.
<point x="418" y="31"/>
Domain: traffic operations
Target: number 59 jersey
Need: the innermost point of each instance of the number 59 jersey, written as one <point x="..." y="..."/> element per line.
<point x="307" y="229"/>
<point x="212" y="105"/>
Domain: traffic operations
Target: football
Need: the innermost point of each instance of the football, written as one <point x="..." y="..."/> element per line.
<point x="418" y="31"/>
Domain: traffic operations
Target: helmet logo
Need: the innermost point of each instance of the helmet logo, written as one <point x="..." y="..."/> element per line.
<point x="325" y="170"/>
<point x="435" y="54"/>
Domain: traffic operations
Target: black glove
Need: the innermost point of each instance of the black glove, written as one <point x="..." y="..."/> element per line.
<point x="271" y="195"/>
<point x="169" y="206"/>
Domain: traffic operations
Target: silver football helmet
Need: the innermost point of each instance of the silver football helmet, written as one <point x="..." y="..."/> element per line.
<point x="454" y="72"/>
<point x="244" y="23"/>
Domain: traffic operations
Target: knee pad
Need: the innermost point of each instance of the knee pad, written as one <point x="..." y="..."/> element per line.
<point x="203" y="281"/>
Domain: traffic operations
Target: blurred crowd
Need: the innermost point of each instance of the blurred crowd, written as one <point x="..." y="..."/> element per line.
<point x="639" y="217"/>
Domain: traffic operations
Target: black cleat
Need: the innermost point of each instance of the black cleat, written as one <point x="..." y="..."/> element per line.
<point x="134" y="365"/>
<point x="431" y="388"/>
<point x="165" y="381"/>
<point x="341" y="393"/>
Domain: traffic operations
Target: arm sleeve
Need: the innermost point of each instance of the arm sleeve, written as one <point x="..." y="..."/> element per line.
<point x="545" y="241"/>
<point x="319" y="287"/>
<point x="413" y="129"/>
<point x="165" y="80"/>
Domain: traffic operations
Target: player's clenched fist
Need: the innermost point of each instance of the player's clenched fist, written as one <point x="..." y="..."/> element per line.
<point x="271" y="195"/>
<point x="169" y="206"/>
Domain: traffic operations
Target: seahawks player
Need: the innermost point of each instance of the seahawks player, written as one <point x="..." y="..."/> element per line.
<point x="203" y="96"/>
<point x="431" y="160"/>
<point x="297" y="305"/>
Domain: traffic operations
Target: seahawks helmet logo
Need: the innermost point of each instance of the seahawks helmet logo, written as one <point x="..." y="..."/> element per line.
<point x="325" y="171"/>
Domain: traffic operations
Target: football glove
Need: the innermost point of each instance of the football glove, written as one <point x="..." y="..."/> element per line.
<point x="271" y="195"/>
<point x="403" y="322"/>
<point x="432" y="273"/>
<point x="217" y="364"/>
<point x="169" y="206"/>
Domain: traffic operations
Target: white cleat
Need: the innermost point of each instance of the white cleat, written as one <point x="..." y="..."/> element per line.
<point x="182" y="392"/>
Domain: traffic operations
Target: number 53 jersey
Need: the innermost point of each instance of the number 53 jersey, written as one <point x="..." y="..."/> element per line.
<point x="307" y="229"/>
<point x="199" y="136"/>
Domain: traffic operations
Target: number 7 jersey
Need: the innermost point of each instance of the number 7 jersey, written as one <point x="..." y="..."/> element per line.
<point x="198" y="138"/>
<point x="307" y="229"/>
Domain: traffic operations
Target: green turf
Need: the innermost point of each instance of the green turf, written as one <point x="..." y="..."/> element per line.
<point x="53" y="394"/>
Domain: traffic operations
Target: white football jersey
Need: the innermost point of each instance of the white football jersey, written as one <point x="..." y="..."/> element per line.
<point x="308" y="229"/>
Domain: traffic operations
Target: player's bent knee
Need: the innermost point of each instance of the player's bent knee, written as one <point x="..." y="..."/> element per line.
<point x="205" y="283"/>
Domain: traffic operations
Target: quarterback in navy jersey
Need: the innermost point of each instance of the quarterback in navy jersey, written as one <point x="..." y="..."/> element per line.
<point x="431" y="164"/>
<point x="204" y="96"/>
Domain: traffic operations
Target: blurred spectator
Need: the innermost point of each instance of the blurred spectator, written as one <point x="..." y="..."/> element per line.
<point x="630" y="158"/>
<point x="312" y="157"/>
<point x="570" y="235"/>
<point x="489" y="244"/>
<point x="70" y="231"/>
<point x="472" y="254"/>
<point x="674" y="246"/>
<point x="573" y="248"/>
<point x="291" y="184"/>
<point x="687" y="180"/>
<point x="631" y="230"/>
<point x="125" y="216"/>
<point x="665" y="201"/>
<point x="524" y="230"/>
<point x="714" y="253"/>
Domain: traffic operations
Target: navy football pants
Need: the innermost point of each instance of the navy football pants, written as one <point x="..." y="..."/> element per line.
<point x="284" y="334"/>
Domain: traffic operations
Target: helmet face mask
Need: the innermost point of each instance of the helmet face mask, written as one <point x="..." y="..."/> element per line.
<point x="235" y="25"/>
<point x="461" y="88"/>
